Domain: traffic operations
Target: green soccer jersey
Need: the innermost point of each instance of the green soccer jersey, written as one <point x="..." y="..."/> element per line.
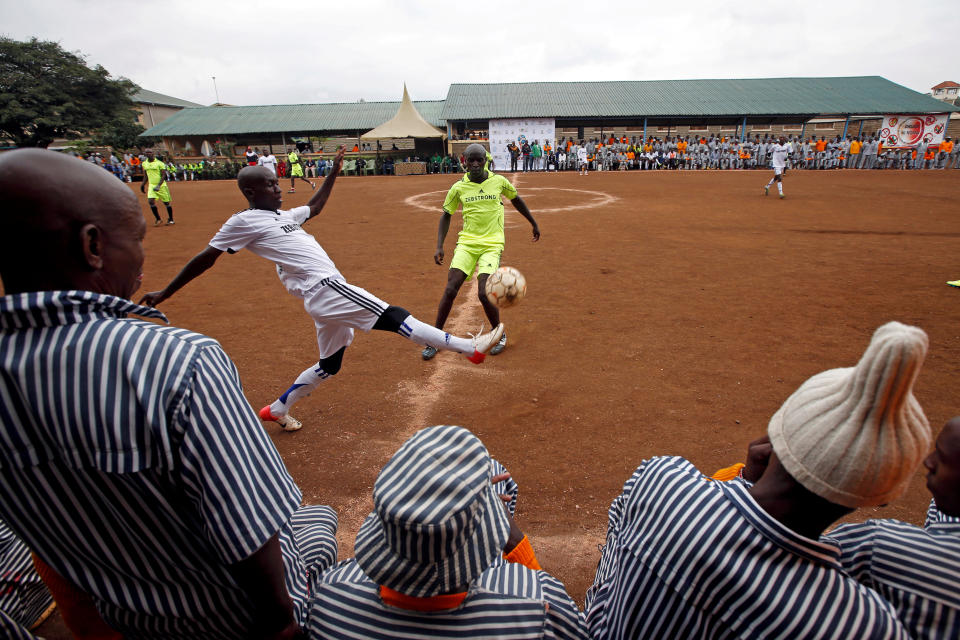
<point x="153" y="171"/>
<point x="293" y="158"/>
<point x="482" y="207"/>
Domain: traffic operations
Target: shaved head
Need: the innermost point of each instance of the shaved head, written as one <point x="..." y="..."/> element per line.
<point x="52" y="206"/>
<point x="476" y="148"/>
<point x="250" y="177"/>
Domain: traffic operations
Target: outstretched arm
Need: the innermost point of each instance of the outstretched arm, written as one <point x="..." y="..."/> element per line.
<point x="319" y="199"/>
<point x="197" y="265"/>
<point x="521" y="206"/>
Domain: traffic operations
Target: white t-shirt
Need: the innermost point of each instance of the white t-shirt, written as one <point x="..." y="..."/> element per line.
<point x="778" y="155"/>
<point x="269" y="162"/>
<point x="582" y="154"/>
<point x="276" y="235"/>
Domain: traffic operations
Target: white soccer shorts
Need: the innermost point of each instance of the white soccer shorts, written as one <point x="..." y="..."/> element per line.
<point x="337" y="308"/>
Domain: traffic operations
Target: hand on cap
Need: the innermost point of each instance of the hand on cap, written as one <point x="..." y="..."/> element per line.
<point x="758" y="456"/>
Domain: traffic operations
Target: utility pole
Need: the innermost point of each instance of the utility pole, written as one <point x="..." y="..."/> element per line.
<point x="215" y="92"/>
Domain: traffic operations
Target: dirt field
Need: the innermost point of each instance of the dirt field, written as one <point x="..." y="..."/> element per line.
<point x="667" y="313"/>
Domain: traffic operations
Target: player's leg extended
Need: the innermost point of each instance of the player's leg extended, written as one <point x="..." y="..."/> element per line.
<point x="306" y="382"/>
<point x="399" y="320"/>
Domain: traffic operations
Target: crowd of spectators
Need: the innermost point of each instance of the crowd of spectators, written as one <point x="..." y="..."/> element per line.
<point x="156" y="505"/>
<point x="720" y="152"/>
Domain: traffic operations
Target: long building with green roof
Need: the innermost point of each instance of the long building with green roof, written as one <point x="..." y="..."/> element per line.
<point x="579" y="109"/>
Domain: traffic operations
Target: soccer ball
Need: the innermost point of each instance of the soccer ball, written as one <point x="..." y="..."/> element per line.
<point x="506" y="287"/>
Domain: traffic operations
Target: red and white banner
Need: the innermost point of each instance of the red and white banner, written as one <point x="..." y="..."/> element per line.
<point x="907" y="131"/>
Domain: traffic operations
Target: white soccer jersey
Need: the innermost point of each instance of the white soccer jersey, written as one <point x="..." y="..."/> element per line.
<point x="582" y="154"/>
<point x="270" y="162"/>
<point x="778" y="155"/>
<point x="276" y="235"/>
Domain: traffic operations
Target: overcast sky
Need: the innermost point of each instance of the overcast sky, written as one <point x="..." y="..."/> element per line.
<point x="296" y="52"/>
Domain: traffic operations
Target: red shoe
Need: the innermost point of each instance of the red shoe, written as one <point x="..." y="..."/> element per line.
<point x="287" y="422"/>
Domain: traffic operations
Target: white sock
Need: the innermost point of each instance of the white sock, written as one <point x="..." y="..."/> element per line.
<point x="780" y="187"/>
<point x="428" y="336"/>
<point x="770" y="183"/>
<point x="303" y="386"/>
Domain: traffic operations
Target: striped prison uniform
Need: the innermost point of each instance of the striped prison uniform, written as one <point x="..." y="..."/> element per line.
<point x="686" y="557"/>
<point x="131" y="463"/>
<point x="507" y="600"/>
<point x="915" y="569"/>
<point x="23" y="596"/>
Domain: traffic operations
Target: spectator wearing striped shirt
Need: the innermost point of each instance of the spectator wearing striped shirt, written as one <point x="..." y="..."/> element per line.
<point x="25" y="601"/>
<point x="440" y="556"/>
<point x="916" y="569"/>
<point x="132" y="465"/>
<point x="688" y="557"/>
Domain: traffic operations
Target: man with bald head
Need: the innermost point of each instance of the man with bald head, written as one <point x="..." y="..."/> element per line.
<point x="132" y="465"/>
<point x="480" y="242"/>
<point x="307" y="272"/>
<point x="917" y="569"/>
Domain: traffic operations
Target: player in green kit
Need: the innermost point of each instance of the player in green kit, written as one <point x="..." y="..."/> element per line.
<point x="296" y="170"/>
<point x="153" y="175"/>
<point x="481" y="240"/>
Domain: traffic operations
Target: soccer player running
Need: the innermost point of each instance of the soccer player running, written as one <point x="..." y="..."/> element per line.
<point x="153" y="175"/>
<point x="778" y="158"/>
<point x="336" y="306"/>
<point x="296" y="170"/>
<point x="481" y="240"/>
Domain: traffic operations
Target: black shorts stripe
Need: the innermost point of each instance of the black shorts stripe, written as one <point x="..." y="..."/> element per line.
<point x="373" y="306"/>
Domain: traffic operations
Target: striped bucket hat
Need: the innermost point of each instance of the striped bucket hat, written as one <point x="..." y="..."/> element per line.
<point x="437" y="521"/>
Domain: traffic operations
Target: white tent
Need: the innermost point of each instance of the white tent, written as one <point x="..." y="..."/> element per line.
<point x="408" y="123"/>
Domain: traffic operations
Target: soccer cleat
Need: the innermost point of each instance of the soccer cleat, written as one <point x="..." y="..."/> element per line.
<point x="954" y="283"/>
<point x="429" y="352"/>
<point x="312" y="186"/>
<point x="170" y="222"/>
<point x="292" y="191"/>
<point x="483" y="342"/>
<point x="287" y="422"/>
<point x="782" y="196"/>
<point x="766" y="190"/>
<point x="500" y="346"/>
<point x="157" y="222"/>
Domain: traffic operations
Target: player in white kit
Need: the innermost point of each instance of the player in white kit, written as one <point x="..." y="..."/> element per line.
<point x="778" y="158"/>
<point x="336" y="306"/>
<point x="269" y="161"/>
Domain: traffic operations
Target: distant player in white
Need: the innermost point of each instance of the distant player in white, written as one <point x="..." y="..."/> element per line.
<point x="778" y="158"/>
<point x="337" y="307"/>
<point x="582" y="160"/>
<point x="269" y="161"/>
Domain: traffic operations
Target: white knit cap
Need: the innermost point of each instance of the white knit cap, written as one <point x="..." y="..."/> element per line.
<point x="854" y="436"/>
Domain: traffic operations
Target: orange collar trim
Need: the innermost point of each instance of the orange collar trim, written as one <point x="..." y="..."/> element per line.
<point x="430" y="603"/>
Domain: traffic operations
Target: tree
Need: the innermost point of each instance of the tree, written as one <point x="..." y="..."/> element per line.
<point x="119" y="134"/>
<point x="48" y="93"/>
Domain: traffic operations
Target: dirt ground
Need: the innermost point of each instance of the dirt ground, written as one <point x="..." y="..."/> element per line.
<point x="667" y="313"/>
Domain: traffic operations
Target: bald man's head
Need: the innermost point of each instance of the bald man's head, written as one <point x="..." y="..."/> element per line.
<point x="66" y="224"/>
<point x="259" y="186"/>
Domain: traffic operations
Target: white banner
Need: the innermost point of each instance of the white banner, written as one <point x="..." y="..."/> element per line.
<point x="502" y="132"/>
<point x="903" y="131"/>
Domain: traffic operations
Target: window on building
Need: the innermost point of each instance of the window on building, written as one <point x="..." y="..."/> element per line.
<point x="698" y="127"/>
<point x="825" y="125"/>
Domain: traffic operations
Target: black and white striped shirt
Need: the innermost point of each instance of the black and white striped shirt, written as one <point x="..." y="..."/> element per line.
<point x="689" y="558"/>
<point x="131" y="462"/>
<point x="915" y="569"/>
<point x="23" y="595"/>
<point x="507" y="600"/>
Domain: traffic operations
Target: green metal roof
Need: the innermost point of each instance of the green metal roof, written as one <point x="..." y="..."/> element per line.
<point x="146" y="96"/>
<point x="686" y="98"/>
<point x="288" y="118"/>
